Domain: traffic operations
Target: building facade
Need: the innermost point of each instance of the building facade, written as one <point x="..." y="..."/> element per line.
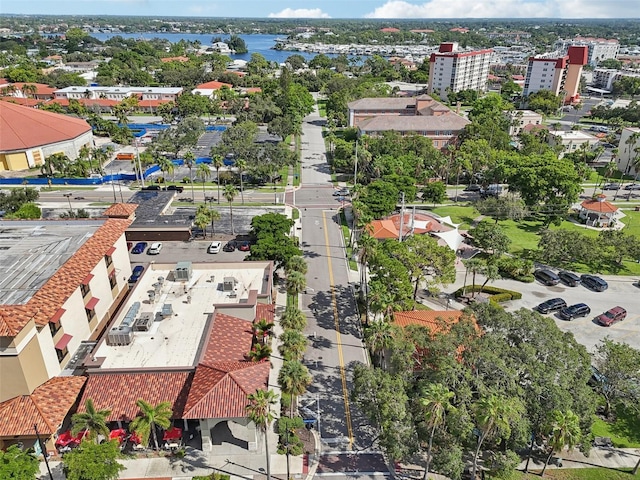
<point x="629" y="151"/>
<point x="449" y="69"/>
<point x="599" y="49"/>
<point x="557" y="74"/>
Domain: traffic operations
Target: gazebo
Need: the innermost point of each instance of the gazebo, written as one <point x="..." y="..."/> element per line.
<point x="597" y="212"/>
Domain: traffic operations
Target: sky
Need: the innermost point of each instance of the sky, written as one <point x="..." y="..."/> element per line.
<point x="411" y="9"/>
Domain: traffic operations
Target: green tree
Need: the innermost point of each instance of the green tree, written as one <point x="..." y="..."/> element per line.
<point x="189" y="160"/>
<point x="378" y="338"/>
<point x="151" y="417"/>
<point x="92" y="420"/>
<point x="379" y="199"/>
<point x="201" y="219"/>
<point x="491" y="238"/>
<point x="292" y="344"/>
<point x="619" y="366"/>
<point x="434" y="192"/>
<point x="504" y="207"/>
<point x="214" y="216"/>
<point x="293" y="319"/>
<point x="259" y="412"/>
<point x="166" y="166"/>
<point x="435" y="401"/>
<point x="295" y="283"/>
<point x="297" y="263"/>
<point x="564" y="431"/>
<point x="204" y="173"/>
<point x="26" y="211"/>
<point x="18" y="464"/>
<point x="294" y="378"/>
<point x="91" y="461"/>
<point x="230" y="193"/>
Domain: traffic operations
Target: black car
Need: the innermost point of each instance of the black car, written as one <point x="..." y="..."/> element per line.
<point x="594" y="283"/>
<point x="611" y="186"/>
<point x="569" y="279"/>
<point x="474" y="187"/>
<point x="177" y="188"/>
<point x="551" y="305"/>
<point x="230" y="246"/>
<point x="547" y="277"/>
<point x="574" y="311"/>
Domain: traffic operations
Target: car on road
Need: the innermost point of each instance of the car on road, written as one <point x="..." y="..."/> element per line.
<point x="230" y="246"/>
<point x="608" y="145"/>
<point x="214" y="247"/>
<point x="594" y="283"/>
<point x="136" y="273"/>
<point x="551" y="305"/>
<point x="611" y="316"/>
<point x="151" y="187"/>
<point x="244" y="246"/>
<point x="546" y="277"/>
<point x="177" y="188"/>
<point x="569" y="279"/>
<point x="341" y="192"/>
<point x="139" y="247"/>
<point x="78" y="198"/>
<point x="574" y="311"/>
<point x="611" y="186"/>
<point x="474" y="187"/>
<point x="155" y="248"/>
<point x="632" y="186"/>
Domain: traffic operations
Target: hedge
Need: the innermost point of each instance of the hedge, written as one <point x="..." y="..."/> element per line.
<point x="497" y="295"/>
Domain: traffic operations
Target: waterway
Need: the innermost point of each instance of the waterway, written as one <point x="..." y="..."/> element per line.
<point x="256" y="43"/>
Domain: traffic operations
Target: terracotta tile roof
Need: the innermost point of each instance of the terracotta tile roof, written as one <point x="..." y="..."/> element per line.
<point x="152" y="103"/>
<point x="427" y="318"/>
<point x="88" y="102"/>
<point x="119" y="392"/>
<point x="266" y="311"/>
<point x="46" y="407"/>
<point x="213" y="85"/>
<point x="41" y="88"/>
<point x="120" y="210"/>
<point x="390" y="227"/>
<point x="27" y="102"/>
<point x="45" y="302"/>
<point x="229" y="340"/>
<point x="599" y="206"/>
<point x="220" y="390"/>
<point x="418" y="123"/>
<point x="174" y="59"/>
<point x="24" y="128"/>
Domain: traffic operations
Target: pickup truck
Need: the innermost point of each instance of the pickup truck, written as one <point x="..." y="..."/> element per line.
<point x="176" y="188"/>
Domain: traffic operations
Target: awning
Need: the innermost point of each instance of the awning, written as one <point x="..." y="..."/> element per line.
<point x="91" y="304"/>
<point x="87" y="279"/>
<point x="63" y="342"/>
<point x="58" y="315"/>
<point x="111" y="251"/>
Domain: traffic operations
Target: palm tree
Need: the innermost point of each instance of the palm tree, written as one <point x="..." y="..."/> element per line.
<point x="166" y="166"/>
<point x="202" y="220"/>
<point x="493" y="415"/>
<point x="242" y="166"/>
<point x="378" y="337"/>
<point x="296" y="263"/>
<point x="292" y="344"/>
<point x="565" y="431"/>
<point x="263" y="329"/>
<point x="218" y="163"/>
<point x="259" y="412"/>
<point x="150" y="417"/>
<point x="473" y="265"/>
<point x="293" y="319"/>
<point x="230" y="192"/>
<point x="204" y="173"/>
<point x="295" y="283"/>
<point x="189" y="159"/>
<point x="436" y="401"/>
<point x="259" y="352"/>
<point x="368" y="246"/>
<point x="92" y="420"/>
<point x="214" y="215"/>
<point x="294" y="378"/>
<point x="490" y="272"/>
<point x="84" y="154"/>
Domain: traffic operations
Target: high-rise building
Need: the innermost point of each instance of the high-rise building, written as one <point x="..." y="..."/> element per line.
<point x="557" y="74"/>
<point x="458" y="71"/>
<point x="599" y="48"/>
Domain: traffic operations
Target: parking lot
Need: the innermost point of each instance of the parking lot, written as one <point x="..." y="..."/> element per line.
<point x="621" y="292"/>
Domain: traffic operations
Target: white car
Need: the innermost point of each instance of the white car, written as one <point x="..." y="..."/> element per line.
<point x="155" y="248"/>
<point x="214" y="247"/>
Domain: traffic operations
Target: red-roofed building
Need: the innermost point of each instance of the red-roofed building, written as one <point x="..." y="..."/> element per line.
<point x="181" y="59"/>
<point x="28" y="136"/>
<point x="390" y="30"/>
<point x="597" y="212"/>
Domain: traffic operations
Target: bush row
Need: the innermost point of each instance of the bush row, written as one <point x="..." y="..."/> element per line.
<point x="497" y="294"/>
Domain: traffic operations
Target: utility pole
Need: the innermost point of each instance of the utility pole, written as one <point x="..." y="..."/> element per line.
<point x="401" y="218"/>
<point x="43" y="447"/>
<point x="139" y="163"/>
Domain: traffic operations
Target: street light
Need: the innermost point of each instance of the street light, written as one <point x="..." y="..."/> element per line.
<point x="68" y="195"/>
<point x="43" y="447"/>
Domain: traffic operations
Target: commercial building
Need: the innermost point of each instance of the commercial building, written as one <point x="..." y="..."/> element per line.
<point x="63" y="280"/>
<point x="604" y="78"/>
<point x="421" y="115"/>
<point x="629" y="151"/>
<point x="572" y="140"/>
<point x="521" y="119"/>
<point x="455" y="71"/>
<point x="28" y="136"/>
<point x="556" y="74"/>
<point x="599" y="49"/>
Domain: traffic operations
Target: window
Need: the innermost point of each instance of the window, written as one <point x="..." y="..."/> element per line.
<point x="54" y="327"/>
<point x="91" y="314"/>
<point x="84" y="289"/>
<point x="108" y="260"/>
<point x="62" y="353"/>
<point x="112" y="280"/>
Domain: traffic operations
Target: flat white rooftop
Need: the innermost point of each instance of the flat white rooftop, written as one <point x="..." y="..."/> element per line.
<point x="573" y="135"/>
<point x="175" y="335"/>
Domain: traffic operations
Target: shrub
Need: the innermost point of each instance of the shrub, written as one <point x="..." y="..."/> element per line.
<point x="186" y="180"/>
<point x="516" y="268"/>
<point x="496" y="294"/>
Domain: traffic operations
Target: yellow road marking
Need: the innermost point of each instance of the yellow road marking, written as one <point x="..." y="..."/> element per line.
<point x="336" y="319"/>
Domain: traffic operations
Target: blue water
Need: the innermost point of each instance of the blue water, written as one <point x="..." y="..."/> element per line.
<point x="258" y="43"/>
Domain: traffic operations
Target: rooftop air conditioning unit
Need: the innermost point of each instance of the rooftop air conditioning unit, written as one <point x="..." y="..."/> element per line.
<point x="122" y="335"/>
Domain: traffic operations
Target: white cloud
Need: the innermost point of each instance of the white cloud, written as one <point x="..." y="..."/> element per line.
<point x="300" y="13"/>
<point x="502" y="9"/>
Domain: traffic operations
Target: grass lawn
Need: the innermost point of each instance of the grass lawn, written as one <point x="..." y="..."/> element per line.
<point x="322" y="108"/>
<point x="632" y="222"/>
<point x="458" y="214"/>
<point x="578" y="474"/>
<point x="624" y="432"/>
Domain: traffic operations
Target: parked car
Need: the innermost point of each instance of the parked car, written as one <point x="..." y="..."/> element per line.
<point x="611" y="186"/>
<point x="611" y="316"/>
<point x="177" y="188"/>
<point x="551" y="305"/>
<point x="230" y="246"/>
<point x="136" y="273"/>
<point x="608" y="145"/>
<point x="151" y="187"/>
<point x="493" y="190"/>
<point x="214" y="247"/>
<point x="139" y="247"/>
<point x="594" y="283"/>
<point x="569" y="279"/>
<point x="341" y="192"/>
<point x="632" y="186"/>
<point x="155" y="248"/>
<point x="574" y="311"/>
<point x="474" y="187"/>
<point x="244" y="246"/>
<point x="546" y="277"/>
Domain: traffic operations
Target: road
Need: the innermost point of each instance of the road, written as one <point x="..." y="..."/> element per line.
<point x="333" y="326"/>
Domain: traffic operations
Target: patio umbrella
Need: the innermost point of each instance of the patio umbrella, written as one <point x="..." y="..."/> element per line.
<point x="64" y="439"/>
<point x="118" y="434"/>
<point x="134" y="438"/>
<point x="174" y="433"/>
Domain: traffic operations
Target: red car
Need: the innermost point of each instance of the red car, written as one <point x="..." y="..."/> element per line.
<point x="244" y="246"/>
<point x="608" y="318"/>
